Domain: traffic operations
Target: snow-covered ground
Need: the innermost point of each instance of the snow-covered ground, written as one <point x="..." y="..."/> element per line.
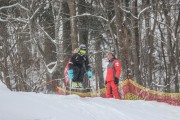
<point x="38" y="106"/>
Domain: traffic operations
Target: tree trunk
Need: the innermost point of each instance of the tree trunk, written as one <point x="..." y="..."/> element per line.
<point x="66" y="30"/>
<point x="74" y="37"/>
<point x="47" y="19"/>
<point x="5" y="45"/>
<point x="135" y="43"/>
<point x="118" y="22"/>
<point x="82" y="23"/>
<point x="98" y="62"/>
<point x="177" y="54"/>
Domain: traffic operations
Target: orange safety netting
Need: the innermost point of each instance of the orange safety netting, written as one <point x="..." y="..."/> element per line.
<point x="130" y="90"/>
<point x="134" y="91"/>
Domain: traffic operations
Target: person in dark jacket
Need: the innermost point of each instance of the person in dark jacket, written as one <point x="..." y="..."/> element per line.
<point x="79" y="65"/>
<point x="112" y="76"/>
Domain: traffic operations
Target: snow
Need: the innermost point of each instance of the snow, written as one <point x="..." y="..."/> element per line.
<point x="3" y="87"/>
<point x="38" y="106"/>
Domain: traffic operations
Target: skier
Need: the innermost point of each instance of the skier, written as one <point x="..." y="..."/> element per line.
<point x="112" y="76"/>
<point x="78" y="66"/>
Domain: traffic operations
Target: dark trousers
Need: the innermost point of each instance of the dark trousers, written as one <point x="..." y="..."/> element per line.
<point x="78" y="74"/>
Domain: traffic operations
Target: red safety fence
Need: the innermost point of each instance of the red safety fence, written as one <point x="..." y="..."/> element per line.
<point x="130" y="90"/>
<point x="134" y="91"/>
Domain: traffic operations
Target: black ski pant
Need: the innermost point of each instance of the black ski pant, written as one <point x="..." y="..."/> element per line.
<point x="78" y="74"/>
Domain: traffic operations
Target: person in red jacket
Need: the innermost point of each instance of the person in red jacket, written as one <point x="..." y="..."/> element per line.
<point x="112" y="76"/>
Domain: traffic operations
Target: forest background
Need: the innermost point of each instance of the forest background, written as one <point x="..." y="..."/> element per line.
<point x="37" y="38"/>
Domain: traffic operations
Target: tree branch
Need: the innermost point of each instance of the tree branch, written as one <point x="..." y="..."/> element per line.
<point x="14" y="5"/>
<point x="52" y="40"/>
<point x="138" y="14"/>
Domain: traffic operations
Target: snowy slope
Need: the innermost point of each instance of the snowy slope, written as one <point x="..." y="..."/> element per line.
<point x="33" y="106"/>
<point x="3" y="87"/>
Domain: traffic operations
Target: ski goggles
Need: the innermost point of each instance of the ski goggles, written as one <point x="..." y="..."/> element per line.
<point x="82" y="51"/>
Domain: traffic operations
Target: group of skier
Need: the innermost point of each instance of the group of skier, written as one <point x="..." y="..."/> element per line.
<point x="79" y="65"/>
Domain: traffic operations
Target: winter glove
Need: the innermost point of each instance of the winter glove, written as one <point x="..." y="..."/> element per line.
<point x="89" y="74"/>
<point x="116" y="80"/>
<point x="70" y="74"/>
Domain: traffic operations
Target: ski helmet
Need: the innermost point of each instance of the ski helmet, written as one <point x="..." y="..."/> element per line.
<point x="82" y="47"/>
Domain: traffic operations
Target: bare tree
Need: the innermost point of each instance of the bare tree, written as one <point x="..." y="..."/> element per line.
<point x="72" y="9"/>
<point x="37" y="38"/>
